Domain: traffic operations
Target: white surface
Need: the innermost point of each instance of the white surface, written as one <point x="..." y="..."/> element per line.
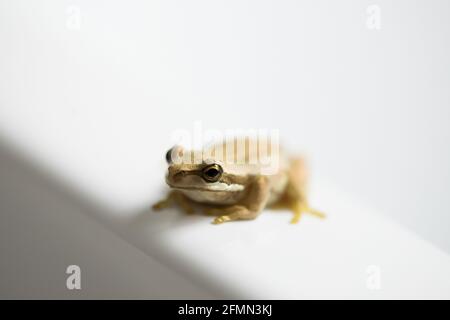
<point x="44" y="229"/>
<point x="95" y="106"/>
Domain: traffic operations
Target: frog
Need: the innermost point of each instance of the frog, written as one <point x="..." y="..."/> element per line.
<point x="239" y="189"/>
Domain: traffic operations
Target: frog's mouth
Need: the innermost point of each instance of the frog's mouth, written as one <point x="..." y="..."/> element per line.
<point x="213" y="187"/>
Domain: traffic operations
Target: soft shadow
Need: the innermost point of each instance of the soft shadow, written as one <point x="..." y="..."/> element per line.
<point x="141" y="228"/>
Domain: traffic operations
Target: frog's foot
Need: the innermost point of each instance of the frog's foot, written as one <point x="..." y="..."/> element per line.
<point x="300" y="207"/>
<point x="236" y="212"/>
<point x="162" y="204"/>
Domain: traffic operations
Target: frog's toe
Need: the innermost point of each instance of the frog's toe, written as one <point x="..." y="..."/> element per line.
<point x="318" y="214"/>
<point x="300" y="208"/>
<point x="221" y="219"/>
<point x="160" y="205"/>
<point x="296" y="218"/>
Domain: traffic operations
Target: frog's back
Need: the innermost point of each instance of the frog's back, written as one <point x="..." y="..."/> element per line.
<point x="244" y="155"/>
<point x="250" y="157"/>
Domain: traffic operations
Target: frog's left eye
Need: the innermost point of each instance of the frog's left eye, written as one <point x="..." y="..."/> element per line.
<point x="174" y="155"/>
<point x="169" y="156"/>
<point x="212" y="173"/>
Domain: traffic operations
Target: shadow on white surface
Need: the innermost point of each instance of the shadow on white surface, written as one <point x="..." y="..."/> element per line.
<point x="44" y="229"/>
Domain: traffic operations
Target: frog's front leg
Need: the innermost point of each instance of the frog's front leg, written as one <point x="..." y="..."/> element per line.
<point x="251" y="206"/>
<point x="175" y="197"/>
<point x="235" y="212"/>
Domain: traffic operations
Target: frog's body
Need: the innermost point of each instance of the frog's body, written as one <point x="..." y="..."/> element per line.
<point x="239" y="188"/>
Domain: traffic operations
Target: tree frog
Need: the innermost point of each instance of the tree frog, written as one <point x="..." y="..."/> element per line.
<point x="236" y="189"/>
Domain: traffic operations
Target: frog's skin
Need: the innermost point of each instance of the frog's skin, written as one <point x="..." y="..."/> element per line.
<point x="237" y="190"/>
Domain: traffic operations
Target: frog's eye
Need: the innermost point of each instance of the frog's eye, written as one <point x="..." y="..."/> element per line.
<point x="174" y="155"/>
<point x="212" y="173"/>
<point x="169" y="156"/>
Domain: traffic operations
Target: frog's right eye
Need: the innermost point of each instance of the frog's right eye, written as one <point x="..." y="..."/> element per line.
<point x="212" y="173"/>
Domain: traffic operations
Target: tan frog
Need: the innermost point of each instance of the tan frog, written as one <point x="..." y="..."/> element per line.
<point x="240" y="187"/>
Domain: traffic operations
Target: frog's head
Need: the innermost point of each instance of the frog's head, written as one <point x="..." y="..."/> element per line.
<point x="206" y="175"/>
